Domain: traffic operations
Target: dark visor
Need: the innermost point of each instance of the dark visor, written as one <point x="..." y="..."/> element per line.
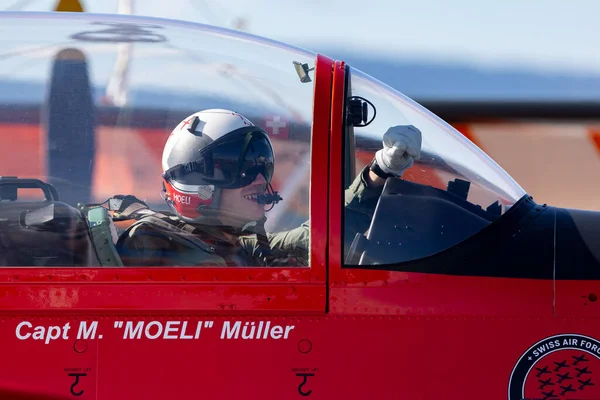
<point x="231" y="162"/>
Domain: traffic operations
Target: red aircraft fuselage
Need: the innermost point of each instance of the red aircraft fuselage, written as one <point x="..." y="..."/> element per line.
<point x="502" y="314"/>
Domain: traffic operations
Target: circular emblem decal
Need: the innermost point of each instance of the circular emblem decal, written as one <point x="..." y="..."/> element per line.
<point x="558" y="367"/>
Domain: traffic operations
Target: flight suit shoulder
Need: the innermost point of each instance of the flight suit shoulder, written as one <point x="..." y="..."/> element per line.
<point x="154" y="241"/>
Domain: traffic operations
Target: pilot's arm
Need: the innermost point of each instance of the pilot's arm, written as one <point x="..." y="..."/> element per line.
<point x="293" y="243"/>
<point x="401" y="147"/>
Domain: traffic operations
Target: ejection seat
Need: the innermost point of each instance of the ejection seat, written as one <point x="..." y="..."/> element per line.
<point x="51" y="233"/>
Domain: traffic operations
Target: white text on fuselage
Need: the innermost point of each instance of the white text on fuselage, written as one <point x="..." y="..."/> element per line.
<point x="152" y="330"/>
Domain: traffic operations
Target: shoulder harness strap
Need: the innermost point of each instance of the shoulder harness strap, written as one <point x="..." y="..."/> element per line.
<point x="130" y="207"/>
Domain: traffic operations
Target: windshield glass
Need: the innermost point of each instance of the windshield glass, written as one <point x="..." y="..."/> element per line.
<point x="87" y="103"/>
<point x="450" y="193"/>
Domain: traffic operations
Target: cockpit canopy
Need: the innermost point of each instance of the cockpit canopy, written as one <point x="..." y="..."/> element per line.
<point x="452" y="192"/>
<point x="87" y="103"/>
<point x="146" y="76"/>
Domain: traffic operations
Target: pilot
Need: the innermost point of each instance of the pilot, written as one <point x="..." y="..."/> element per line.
<point x="217" y="170"/>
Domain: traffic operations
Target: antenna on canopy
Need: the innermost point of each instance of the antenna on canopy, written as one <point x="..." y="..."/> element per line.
<point x="117" y="87"/>
<point x="302" y="70"/>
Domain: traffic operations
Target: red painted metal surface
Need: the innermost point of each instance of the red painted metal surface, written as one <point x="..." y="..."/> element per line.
<point x="319" y="333"/>
<point x="336" y="166"/>
<point x="144" y="275"/>
<point x="209" y="298"/>
<point x="363" y="292"/>
<point x="349" y="357"/>
<point x="201" y="289"/>
<point x="387" y="334"/>
<point x="319" y="179"/>
<point x="577" y="299"/>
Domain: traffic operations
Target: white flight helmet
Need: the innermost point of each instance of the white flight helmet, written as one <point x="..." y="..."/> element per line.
<point x="212" y="150"/>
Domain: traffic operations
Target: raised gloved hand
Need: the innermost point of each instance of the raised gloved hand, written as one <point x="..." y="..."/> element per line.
<point x="401" y="146"/>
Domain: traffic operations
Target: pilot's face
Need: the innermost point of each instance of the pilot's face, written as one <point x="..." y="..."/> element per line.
<point x="242" y="202"/>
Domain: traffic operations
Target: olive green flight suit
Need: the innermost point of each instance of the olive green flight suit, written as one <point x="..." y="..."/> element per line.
<point x="153" y="242"/>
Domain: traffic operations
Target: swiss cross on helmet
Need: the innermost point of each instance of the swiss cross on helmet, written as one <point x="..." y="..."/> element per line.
<point x="212" y="150"/>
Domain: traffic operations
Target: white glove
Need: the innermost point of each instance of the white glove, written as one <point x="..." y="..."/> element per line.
<point x="401" y="146"/>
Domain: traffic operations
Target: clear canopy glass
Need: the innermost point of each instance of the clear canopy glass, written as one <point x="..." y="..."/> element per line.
<point x="415" y="221"/>
<point x="88" y="101"/>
